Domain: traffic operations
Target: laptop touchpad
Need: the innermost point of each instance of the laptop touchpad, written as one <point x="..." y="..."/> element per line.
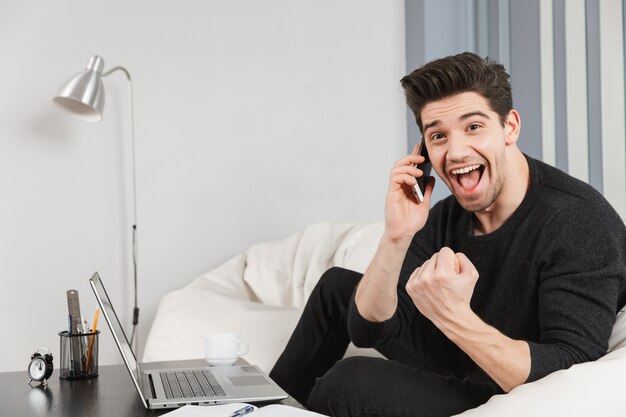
<point x="240" y="381"/>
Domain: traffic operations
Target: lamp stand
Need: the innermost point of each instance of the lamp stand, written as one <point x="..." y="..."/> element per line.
<point x="134" y="194"/>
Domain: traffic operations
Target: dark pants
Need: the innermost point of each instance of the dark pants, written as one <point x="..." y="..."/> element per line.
<point x="311" y="369"/>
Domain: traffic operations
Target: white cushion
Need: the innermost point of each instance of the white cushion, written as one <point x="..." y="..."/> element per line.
<point x="284" y="272"/>
<point x="618" y="335"/>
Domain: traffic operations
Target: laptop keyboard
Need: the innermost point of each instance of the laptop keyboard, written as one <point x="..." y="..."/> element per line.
<point x="189" y="384"/>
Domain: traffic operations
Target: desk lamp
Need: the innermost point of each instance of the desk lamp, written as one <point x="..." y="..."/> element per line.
<point x="83" y="96"/>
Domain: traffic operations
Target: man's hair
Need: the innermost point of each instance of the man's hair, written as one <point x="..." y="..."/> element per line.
<point x="466" y="72"/>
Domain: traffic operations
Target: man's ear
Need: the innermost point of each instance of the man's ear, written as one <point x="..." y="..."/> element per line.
<point x="512" y="126"/>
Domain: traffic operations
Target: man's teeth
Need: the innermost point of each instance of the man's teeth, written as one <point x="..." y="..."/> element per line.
<point x="465" y="170"/>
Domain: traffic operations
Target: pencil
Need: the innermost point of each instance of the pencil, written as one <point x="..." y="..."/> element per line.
<point x="91" y="339"/>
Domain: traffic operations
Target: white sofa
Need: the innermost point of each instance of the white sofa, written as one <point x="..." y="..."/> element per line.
<point x="260" y="294"/>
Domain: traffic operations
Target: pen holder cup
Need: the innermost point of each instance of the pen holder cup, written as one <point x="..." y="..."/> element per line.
<point x="79" y="355"/>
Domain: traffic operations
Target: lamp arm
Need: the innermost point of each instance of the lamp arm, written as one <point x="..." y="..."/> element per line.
<point x="134" y="189"/>
<point x="132" y="132"/>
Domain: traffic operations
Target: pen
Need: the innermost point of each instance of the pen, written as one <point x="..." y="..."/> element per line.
<point x="247" y="409"/>
<point x="91" y="339"/>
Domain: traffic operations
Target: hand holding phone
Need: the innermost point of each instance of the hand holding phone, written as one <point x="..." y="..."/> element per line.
<point x="420" y="188"/>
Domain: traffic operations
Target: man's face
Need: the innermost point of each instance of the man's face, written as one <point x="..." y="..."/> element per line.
<point x="467" y="147"/>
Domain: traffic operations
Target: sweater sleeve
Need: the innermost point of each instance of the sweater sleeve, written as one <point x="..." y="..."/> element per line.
<point x="582" y="264"/>
<point x="365" y="333"/>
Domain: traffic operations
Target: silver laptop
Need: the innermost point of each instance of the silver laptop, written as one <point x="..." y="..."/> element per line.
<point x="174" y="387"/>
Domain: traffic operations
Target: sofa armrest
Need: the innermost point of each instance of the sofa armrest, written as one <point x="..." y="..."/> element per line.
<point x="185" y="316"/>
<point x="586" y="389"/>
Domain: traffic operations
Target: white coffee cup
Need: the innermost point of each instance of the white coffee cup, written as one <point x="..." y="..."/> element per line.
<point x="223" y="348"/>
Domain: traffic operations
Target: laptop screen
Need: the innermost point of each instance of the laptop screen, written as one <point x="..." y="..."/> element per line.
<point x="116" y="329"/>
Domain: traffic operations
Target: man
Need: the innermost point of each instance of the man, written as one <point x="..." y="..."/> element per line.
<point x="518" y="274"/>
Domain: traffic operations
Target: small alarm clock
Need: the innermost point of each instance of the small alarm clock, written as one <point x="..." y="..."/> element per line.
<point x="40" y="367"/>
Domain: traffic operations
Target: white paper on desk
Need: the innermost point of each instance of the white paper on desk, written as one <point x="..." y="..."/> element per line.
<point x="279" y="410"/>
<point x="226" y="410"/>
<point x="221" y="410"/>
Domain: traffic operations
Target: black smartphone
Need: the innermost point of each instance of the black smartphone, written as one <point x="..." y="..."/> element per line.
<point x="420" y="188"/>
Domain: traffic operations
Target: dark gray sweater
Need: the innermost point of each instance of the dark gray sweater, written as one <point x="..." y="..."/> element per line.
<point x="554" y="275"/>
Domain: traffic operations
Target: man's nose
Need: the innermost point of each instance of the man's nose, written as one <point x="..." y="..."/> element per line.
<point x="458" y="147"/>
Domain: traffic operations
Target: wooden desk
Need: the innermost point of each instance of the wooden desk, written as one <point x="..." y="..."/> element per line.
<point x="110" y="394"/>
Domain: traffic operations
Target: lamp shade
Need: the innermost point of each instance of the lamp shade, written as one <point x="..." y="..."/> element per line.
<point x="83" y="94"/>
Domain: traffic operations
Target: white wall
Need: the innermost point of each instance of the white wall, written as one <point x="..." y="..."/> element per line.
<point x="253" y="119"/>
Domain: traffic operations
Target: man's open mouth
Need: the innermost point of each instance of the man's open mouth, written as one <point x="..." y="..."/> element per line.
<point x="468" y="177"/>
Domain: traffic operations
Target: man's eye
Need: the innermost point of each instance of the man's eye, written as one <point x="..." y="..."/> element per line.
<point x="473" y="126"/>
<point x="437" y="136"/>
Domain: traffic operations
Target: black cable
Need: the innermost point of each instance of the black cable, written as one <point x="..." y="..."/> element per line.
<point x="136" y="308"/>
